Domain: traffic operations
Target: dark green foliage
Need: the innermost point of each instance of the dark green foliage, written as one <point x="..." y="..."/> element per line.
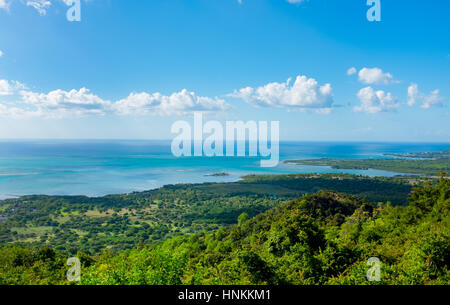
<point x="324" y="238"/>
<point x="26" y="266"/>
<point x="430" y="167"/>
<point x="76" y="223"/>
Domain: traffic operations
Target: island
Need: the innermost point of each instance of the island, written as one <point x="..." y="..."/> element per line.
<point x="218" y="175"/>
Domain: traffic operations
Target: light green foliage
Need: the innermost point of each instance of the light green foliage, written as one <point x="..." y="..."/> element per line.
<point x="324" y="238"/>
<point x="76" y="223"/>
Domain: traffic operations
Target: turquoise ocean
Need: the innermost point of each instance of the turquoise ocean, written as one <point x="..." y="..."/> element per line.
<point x="100" y="167"/>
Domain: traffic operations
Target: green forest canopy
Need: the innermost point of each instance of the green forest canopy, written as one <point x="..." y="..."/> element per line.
<point x="323" y="238"/>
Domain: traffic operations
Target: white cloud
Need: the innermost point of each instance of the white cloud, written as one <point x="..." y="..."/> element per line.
<point x="60" y="103"/>
<point x="375" y="101"/>
<point x="351" y="71"/>
<point x="9" y="87"/>
<point x="5" y="88"/>
<point x="303" y="94"/>
<point x="4" y="5"/>
<point x="431" y="100"/>
<point x="413" y="94"/>
<point x="13" y="112"/>
<point x="177" y="103"/>
<point x="1" y="53"/>
<point x="375" y="76"/>
<point x="40" y="5"/>
<point x="75" y="103"/>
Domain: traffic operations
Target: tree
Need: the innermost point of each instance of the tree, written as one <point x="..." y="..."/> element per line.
<point x="242" y="218"/>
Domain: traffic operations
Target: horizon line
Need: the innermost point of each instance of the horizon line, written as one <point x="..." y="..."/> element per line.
<point x="281" y="141"/>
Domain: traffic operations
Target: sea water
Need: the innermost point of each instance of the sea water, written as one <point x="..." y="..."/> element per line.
<point x="100" y="167"/>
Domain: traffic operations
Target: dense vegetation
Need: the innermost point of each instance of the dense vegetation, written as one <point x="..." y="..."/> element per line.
<point x="424" y="167"/>
<point x="118" y="222"/>
<point x="324" y="238"/>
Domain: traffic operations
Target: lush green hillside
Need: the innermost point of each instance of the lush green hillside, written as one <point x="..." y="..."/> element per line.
<point x="423" y="167"/>
<point x="118" y="222"/>
<point x="324" y="238"/>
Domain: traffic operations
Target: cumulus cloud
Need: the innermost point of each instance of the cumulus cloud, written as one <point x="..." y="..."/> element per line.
<point x="305" y="93"/>
<point x="375" y="101"/>
<point x="4" y="4"/>
<point x="433" y="99"/>
<point x="60" y="103"/>
<point x="9" y="87"/>
<point x="5" y="87"/>
<point x="413" y="94"/>
<point x="177" y="103"/>
<point x="1" y="52"/>
<point x="375" y="76"/>
<point x="40" y="5"/>
<point x="74" y="103"/>
<point x="11" y="112"/>
<point x="351" y="71"/>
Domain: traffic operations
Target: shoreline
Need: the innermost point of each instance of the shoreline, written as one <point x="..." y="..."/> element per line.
<point x="240" y="179"/>
<point x="89" y="181"/>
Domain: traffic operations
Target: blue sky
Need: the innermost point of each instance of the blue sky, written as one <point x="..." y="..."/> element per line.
<point x="129" y="69"/>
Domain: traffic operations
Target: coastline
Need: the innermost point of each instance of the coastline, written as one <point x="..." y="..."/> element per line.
<point x="98" y="168"/>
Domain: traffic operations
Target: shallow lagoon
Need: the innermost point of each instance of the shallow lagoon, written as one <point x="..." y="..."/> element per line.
<point x="100" y="167"/>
